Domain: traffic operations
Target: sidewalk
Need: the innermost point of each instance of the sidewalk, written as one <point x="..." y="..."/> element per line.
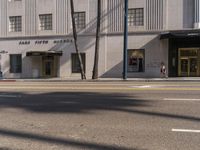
<point x="171" y="79"/>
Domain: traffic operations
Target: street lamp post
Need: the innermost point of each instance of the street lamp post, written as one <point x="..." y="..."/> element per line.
<point x="125" y="39"/>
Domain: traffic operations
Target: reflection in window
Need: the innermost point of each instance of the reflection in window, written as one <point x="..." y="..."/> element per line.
<point x="136" y="60"/>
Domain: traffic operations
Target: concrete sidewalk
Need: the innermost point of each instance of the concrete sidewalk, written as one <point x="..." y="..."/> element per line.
<point x="172" y="79"/>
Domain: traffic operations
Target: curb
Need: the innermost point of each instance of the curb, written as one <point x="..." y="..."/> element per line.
<point x="107" y="80"/>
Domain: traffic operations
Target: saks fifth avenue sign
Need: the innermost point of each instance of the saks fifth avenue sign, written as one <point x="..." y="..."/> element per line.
<point x="41" y="42"/>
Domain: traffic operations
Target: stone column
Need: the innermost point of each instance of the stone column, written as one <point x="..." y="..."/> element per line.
<point x="197" y="14"/>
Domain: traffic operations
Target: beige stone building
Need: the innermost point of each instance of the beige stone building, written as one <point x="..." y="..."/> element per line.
<point x="36" y="38"/>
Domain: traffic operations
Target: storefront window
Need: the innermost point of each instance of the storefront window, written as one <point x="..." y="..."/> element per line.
<point x="136" y="60"/>
<point x="15" y="63"/>
<point x="75" y="63"/>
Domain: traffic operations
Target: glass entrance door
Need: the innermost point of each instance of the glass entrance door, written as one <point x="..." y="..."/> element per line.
<point x="188" y="67"/>
<point x="184" y="64"/>
<point x="193" y="67"/>
<point x="188" y="63"/>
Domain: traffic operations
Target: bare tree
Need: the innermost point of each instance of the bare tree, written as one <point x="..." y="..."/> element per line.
<point x="83" y="77"/>
<point x="96" y="57"/>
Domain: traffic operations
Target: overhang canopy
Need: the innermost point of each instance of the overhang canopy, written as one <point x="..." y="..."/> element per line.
<point x="44" y="53"/>
<point x="180" y="34"/>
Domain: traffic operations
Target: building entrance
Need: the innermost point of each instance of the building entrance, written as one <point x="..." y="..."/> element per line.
<point x="49" y="66"/>
<point x="189" y="62"/>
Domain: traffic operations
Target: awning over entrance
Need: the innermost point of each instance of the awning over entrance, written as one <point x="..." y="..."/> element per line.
<point x="44" y="53"/>
<point x="180" y="34"/>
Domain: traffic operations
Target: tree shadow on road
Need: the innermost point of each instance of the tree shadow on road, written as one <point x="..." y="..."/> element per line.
<point x="71" y="103"/>
<point x="79" y="103"/>
<point x="61" y="141"/>
<point x="84" y="103"/>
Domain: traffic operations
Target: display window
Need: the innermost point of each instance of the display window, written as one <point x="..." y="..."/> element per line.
<point x="136" y="60"/>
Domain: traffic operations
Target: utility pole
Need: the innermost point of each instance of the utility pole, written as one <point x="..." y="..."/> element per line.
<point x="125" y="39"/>
<point x="96" y="58"/>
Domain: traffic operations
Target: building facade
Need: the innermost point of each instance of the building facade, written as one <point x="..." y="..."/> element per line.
<point x="36" y="38"/>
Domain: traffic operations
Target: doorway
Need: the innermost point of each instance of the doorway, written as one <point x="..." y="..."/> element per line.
<point x="48" y="64"/>
<point x="188" y="63"/>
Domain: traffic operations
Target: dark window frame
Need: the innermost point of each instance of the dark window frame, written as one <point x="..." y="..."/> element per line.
<point x="136" y="17"/>
<point x="15" y="23"/>
<point x="136" y="67"/>
<point x="80" y="19"/>
<point x="75" y="62"/>
<point x="16" y="63"/>
<point x="46" y="22"/>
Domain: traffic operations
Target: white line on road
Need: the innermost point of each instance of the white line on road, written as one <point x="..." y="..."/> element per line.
<point x="186" y="130"/>
<point x="141" y="86"/>
<point x="10" y="96"/>
<point x="181" y="99"/>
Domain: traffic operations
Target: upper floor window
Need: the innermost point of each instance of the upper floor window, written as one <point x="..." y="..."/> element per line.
<point x="45" y="21"/>
<point x="79" y="20"/>
<point x="136" y="17"/>
<point x="15" y="23"/>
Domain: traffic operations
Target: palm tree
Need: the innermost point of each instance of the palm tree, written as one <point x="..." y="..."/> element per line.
<point x="83" y="77"/>
<point x="96" y="57"/>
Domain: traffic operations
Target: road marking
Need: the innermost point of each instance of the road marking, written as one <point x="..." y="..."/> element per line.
<point x="181" y="99"/>
<point x="141" y="86"/>
<point x="12" y="96"/>
<point x="186" y="130"/>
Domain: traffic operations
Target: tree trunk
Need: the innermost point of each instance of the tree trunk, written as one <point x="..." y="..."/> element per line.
<point x="75" y="41"/>
<point x="96" y="57"/>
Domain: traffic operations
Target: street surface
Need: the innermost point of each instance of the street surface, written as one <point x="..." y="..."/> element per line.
<point x="99" y="115"/>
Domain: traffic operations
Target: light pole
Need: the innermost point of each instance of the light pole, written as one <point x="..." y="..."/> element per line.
<point x="125" y="39"/>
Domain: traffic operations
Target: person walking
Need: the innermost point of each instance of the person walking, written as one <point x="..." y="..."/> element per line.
<point x="163" y="72"/>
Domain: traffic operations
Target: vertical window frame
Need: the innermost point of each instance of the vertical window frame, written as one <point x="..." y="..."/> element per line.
<point x="45" y="22"/>
<point x="136" y="16"/>
<point x="136" y="67"/>
<point x="80" y="19"/>
<point x="15" y="23"/>
<point x="75" y="62"/>
<point x="15" y="63"/>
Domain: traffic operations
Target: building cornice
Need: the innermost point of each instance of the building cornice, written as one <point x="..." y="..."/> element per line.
<point x="93" y="34"/>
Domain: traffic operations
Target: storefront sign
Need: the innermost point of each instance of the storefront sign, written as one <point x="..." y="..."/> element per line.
<point x="24" y="42"/>
<point x="62" y="41"/>
<point x="42" y="42"/>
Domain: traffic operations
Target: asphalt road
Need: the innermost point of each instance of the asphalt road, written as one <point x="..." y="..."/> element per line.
<point x="99" y="116"/>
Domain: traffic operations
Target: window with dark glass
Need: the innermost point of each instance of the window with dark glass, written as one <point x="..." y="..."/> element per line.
<point x="75" y="63"/>
<point x="15" y="23"/>
<point x="15" y="63"/>
<point x="136" y="17"/>
<point x="79" y="20"/>
<point x="136" y="60"/>
<point x="45" y="21"/>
